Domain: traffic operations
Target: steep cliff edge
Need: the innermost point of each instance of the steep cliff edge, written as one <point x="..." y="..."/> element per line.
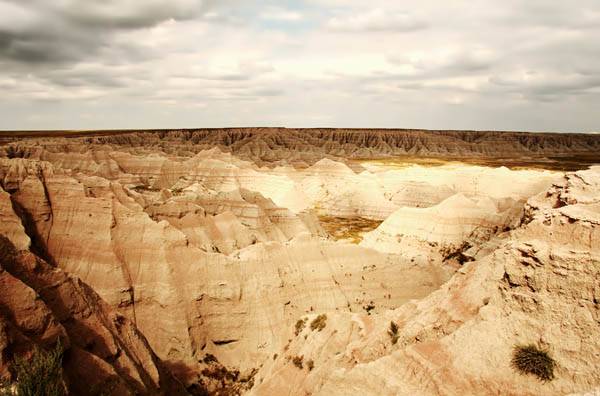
<point x="104" y="351"/>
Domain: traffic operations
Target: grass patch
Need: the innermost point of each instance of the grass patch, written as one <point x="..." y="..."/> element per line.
<point x="221" y="373"/>
<point x="310" y="365"/>
<point x="298" y="360"/>
<point x="210" y="358"/>
<point x="393" y="332"/>
<point x="348" y="228"/>
<point x="452" y="252"/>
<point x="369" y="307"/>
<point x="41" y="374"/>
<point x="319" y="322"/>
<point x="300" y="326"/>
<point x="557" y="163"/>
<point x="529" y="359"/>
<point x="6" y="389"/>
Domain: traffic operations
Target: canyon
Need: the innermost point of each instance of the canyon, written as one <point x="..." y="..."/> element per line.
<point x="270" y="261"/>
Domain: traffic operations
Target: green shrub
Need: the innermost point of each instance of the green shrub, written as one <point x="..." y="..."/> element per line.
<point x="297" y="360"/>
<point x="300" y="326"/>
<point x="393" y="332"/>
<point x="529" y="359"/>
<point x="310" y="365"/>
<point x="369" y="307"/>
<point x="319" y="322"/>
<point x="6" y="389"/>
<point x="41" y="374"/>
<point x="209" y="358"/>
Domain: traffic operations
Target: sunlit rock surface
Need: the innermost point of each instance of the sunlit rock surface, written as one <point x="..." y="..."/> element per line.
<point x="540" y="285"/>
<point x="216" y="245"/>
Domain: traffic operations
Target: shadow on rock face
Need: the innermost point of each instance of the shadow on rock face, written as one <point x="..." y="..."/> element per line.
<point x="104" y="351"/>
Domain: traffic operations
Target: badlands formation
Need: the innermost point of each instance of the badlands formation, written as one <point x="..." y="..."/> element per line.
<point x="274" y="261"/>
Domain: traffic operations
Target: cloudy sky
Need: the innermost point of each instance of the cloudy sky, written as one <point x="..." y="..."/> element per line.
<point x="472" y="64"/>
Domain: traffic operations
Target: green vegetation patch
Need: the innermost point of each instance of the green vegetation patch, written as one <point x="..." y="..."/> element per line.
<point x="300" y="326"/>
<point x="529" y="359"/>
<point x="348" y="228"/>
<point x="41" y="374"/>
<point x="393" y="332"/>
<point x="297" y="360"/>
<point x="319" y="322"/>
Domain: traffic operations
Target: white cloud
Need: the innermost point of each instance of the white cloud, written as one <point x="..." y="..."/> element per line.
<point x="459" y="64"/>
<point x="281" y="14"/>
<point x="446" y="61"/>
<point x="377" y="20"/>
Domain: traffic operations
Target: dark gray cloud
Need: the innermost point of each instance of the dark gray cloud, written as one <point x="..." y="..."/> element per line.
<point x="45" y="47"/>
<point x="62" y="31"/>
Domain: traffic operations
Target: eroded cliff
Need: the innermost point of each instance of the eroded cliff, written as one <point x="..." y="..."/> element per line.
<point x="301" y="146"/>
<point x="214" y="244"/>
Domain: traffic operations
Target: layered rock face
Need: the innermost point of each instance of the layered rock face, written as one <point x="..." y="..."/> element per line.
<point x="301" y="146"/>
<point x="182" y="261"/>
<point x="104" y="351"/>
<point x="210" y="243"/>
<point x="181" y="271"/>
<point x="540" y="286"/>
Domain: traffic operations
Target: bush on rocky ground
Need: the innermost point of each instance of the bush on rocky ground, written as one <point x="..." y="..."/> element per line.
<point x="529" y="359"/>
<point x="319" y="322"/>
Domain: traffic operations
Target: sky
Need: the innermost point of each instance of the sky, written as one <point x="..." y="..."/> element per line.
<point x="437" y="64"/>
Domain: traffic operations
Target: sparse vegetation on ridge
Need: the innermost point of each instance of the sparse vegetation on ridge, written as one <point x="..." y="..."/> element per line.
<point x="456" y="252"/>
<point x="209" y="358"/>
<point x="219" y="380"/>
<point x="393" y="332"/>
<point x="529" y="359"/>
<point x="369" y="307"/>
<point x="300" y="326"/>
<point x="319" y="322"/>
<point x="297" y="360"/>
